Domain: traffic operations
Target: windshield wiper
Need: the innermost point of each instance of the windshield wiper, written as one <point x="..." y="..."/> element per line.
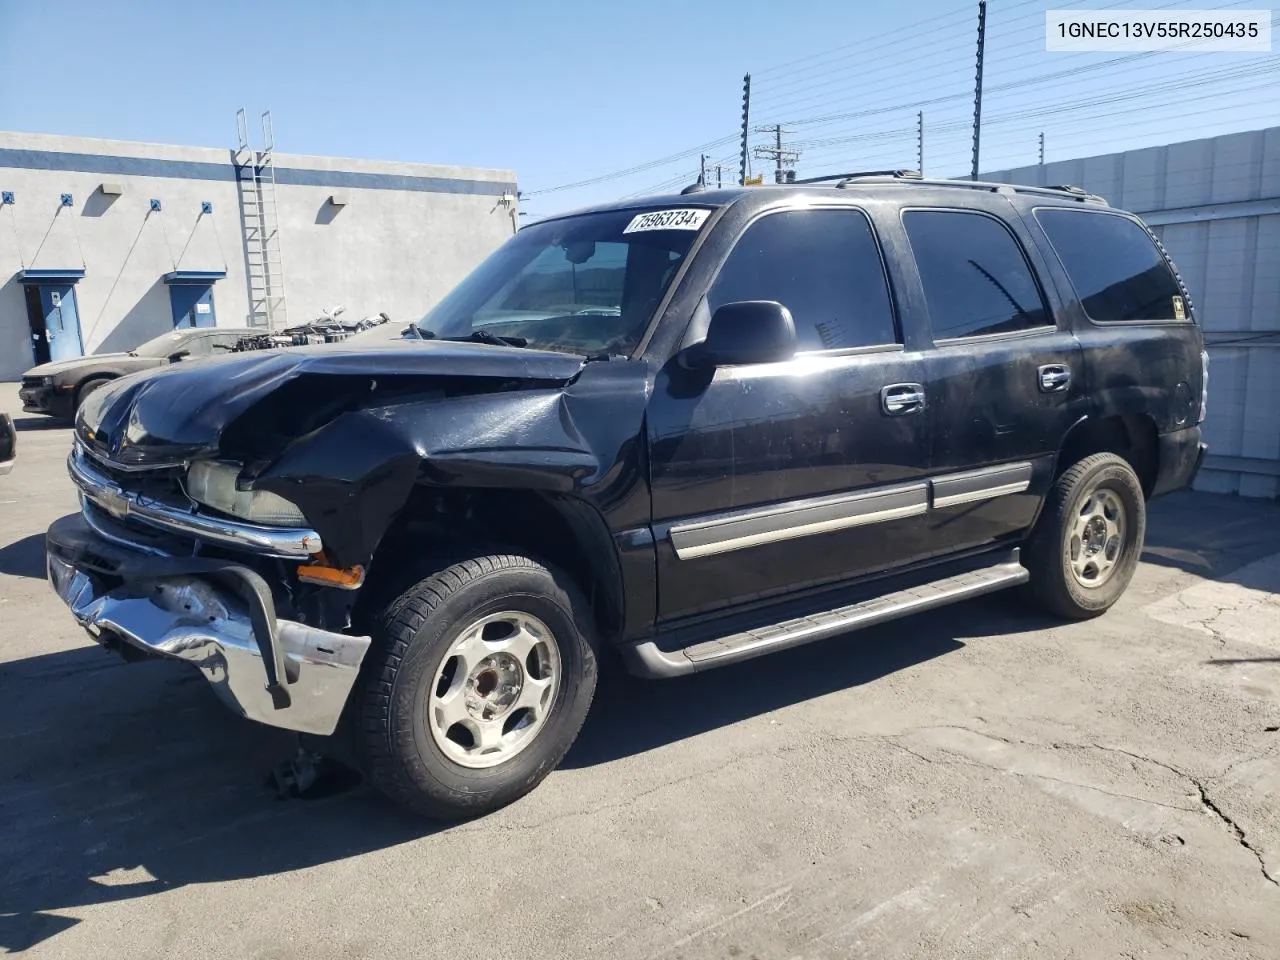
<point x="484" y="336"/>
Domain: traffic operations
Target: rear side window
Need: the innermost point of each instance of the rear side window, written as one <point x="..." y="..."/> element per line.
<point x="975" y="275"/>
<point x="822" y="265"/>
<point x="1116" y="270"/>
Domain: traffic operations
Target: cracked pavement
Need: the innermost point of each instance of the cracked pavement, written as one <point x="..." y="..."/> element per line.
<point x="979" y="782"/>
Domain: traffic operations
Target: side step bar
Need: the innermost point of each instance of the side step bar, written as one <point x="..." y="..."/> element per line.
<point x="647" y="659"/>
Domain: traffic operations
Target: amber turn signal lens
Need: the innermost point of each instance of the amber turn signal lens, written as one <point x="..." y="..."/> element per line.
<point x="322" y="573"/>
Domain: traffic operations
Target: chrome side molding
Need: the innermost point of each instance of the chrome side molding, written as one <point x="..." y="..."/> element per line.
<point x="974" y="485"/>
<point x="702" y="538"/>
<point x="720" y="533"/>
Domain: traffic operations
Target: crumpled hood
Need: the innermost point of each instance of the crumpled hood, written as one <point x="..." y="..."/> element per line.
<point x="182" y="411"/>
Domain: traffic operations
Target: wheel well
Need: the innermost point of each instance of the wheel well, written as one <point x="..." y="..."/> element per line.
<point x="1131" y="436"/>
<point x="440" y="526"/>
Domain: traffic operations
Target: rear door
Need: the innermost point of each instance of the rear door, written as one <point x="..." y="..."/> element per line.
<point x="1005" y="377"/>
<point x="772" y="477"/>
<point x="1142" y="349"/>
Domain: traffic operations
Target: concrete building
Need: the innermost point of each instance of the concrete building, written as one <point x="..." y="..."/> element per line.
<point x="1215" y="204"/>
<point x="105" y="244"/>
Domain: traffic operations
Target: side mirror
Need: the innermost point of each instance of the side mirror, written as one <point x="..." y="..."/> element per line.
<point x="748" y="331"/>
<point x="180" y="355"/>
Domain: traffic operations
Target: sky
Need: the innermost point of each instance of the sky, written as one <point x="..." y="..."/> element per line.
<point x="570" y="91"/>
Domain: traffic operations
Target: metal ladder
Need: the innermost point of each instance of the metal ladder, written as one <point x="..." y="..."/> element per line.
<point x="256" y="179"/>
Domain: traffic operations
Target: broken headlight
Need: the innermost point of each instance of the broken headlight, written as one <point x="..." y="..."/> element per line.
<point x="214" y="484"/>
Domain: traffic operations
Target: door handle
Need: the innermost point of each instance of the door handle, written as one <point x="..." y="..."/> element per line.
<point x="1054" y="377"/>
<point x="898" y="399"/>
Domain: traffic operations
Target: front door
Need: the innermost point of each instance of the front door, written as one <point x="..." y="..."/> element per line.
<point x="766" y="477"/>
<point x="192" y="305"/>
<point x="1005" y="381"/>
<point x="54" y="321"/>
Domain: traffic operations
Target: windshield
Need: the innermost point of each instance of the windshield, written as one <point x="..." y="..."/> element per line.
<point x="164" y="345"/>
<point x="585" y="284"/>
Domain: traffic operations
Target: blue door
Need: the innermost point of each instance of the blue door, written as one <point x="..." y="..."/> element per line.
<point x="192" y="305"/>
<point x="61" y="321"/>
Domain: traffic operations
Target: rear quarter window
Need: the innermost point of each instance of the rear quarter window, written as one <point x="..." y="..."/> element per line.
<point x="1113" y="264"/>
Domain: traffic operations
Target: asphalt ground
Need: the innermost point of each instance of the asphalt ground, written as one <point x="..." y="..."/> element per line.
<point x="978" y="782"/>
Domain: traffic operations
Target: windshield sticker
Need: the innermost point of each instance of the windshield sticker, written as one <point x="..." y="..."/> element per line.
<point x="667" y="220"/>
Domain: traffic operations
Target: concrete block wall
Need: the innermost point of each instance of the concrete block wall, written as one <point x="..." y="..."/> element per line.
<point x="1215" y="204"/>
<point x="407" y="233"/>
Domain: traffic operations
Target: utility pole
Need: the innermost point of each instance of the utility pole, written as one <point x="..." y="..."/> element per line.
<point x="719" y="183"/>
<point x="977" y="89"/>
<point x="702" y="176"/>
<point x="746" y="119"/>
<point x="920" y="142"/>
<point x="781" y="157"/>
<point x="1042" y="148"/>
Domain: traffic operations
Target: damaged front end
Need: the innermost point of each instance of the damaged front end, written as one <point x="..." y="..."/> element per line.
<point x="144" y="576"/>
<point x="231" y="508"/>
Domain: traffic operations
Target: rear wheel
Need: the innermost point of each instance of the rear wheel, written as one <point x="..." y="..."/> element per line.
<point x="477" y="685"/>
<point x="1086" y="545"/>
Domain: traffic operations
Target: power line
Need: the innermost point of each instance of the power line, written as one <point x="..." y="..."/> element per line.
<point x="638" y="168"/>
<point x="1003" y="125"/>
<point x="964" y="65"/>
<point x="1051" y="107"/>
<point x="961" y="43"/>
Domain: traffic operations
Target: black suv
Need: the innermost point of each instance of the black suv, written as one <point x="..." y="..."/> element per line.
<point x="691" y="429"/>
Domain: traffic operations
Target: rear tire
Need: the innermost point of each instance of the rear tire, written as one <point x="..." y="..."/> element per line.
<point x="1086" y="544"/>
<point x="478" y="682"/>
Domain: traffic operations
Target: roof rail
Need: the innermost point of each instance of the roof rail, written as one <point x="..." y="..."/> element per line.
<point x="912" y="176"/>
<point x="895" y="174"/>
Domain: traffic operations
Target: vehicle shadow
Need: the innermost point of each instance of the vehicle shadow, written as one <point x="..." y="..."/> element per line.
<point x="24" y="558"/>
<point x="1210" y="534"/>
<point x="631" y="715"/>
<point x="121" y="781"/>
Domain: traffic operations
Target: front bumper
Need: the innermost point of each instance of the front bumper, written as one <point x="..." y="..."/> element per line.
<point x="217" y="615"/>
<point x="45" y="399"/>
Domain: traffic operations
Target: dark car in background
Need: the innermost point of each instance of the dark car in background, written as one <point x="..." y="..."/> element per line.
<point x="58" y="389"/>
<point x="8" y="444"/>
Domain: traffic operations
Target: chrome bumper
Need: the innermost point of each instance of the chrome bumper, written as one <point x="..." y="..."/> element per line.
<point x="288" y="542"/>
<point x="194" y="618"/>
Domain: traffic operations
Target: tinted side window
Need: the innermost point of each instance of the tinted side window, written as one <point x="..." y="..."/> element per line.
<point x="976" y="278"/>
<point x="823" y="266"/>
<point x="1116" y="270"/>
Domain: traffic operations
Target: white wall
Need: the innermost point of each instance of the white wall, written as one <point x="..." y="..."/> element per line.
<point x="408" y="233"/>
<point x="1215" y="204"/>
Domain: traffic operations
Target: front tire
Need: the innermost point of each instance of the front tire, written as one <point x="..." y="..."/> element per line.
<point x="478" y="682"/>
<point x="1087" y="542"/>
<point x="87" y="388"/>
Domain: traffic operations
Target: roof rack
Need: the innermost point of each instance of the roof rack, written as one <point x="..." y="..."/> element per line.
<point x="895" y="174"/>
<point x="844" y="180"/>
